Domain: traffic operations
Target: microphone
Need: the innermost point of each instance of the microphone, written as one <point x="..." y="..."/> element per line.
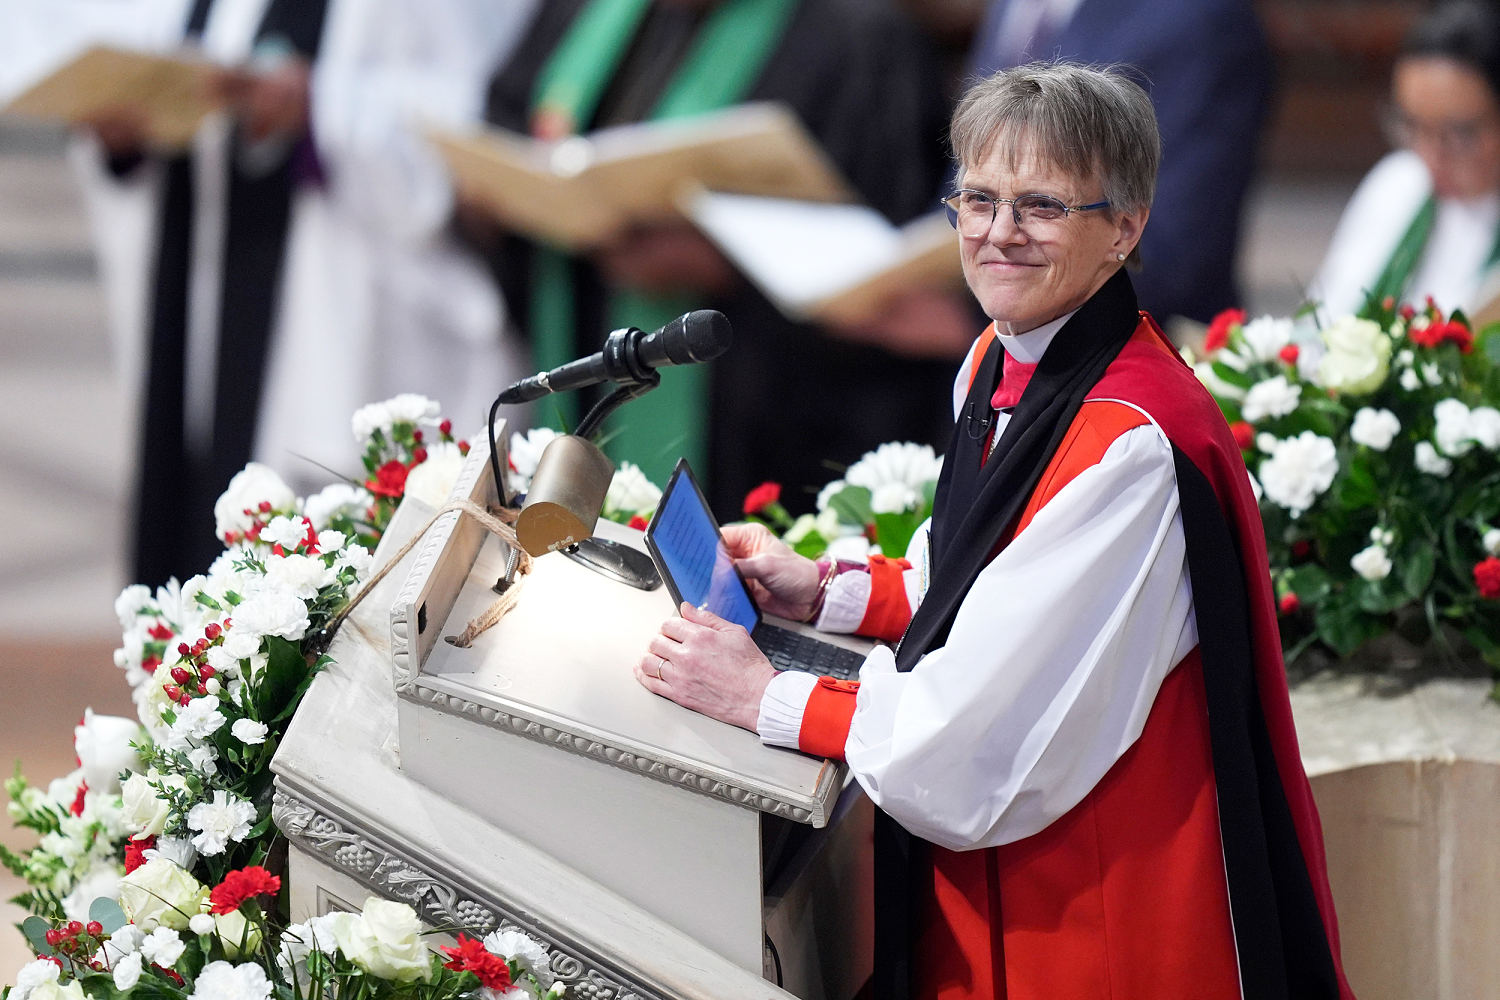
<point x="629" y="355"/>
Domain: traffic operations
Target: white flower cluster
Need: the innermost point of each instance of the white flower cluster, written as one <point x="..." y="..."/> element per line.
<point x="407" y="408"/>
<point x="525" y="452"/>
<point x="894" y="473"/>
<point x="1297" y="470"/>
<point x="630" y="492"/>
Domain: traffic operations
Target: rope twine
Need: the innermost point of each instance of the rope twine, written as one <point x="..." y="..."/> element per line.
<point x="498" y="521"/>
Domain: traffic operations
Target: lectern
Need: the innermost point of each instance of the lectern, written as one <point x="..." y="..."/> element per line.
<point x="529" y="780"/>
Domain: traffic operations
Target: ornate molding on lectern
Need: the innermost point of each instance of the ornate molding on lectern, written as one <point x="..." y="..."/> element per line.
<point x="438" y="900"/>
<point x="673" y="773"/>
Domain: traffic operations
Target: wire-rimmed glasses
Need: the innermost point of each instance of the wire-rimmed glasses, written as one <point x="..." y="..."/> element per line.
<point x="972" y="212"/>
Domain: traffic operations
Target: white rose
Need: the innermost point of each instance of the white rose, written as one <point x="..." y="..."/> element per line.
<point x="160" y="894"/>
<point x="249" y="487"/>
<point x="102" y="743"/>
<point x="1298" y="471"/>
<point x="385" y="940"/>
<point x="145" y="810"/>
<point x="1372" y="563"/>
<point x="432" y="480"/>
<point x="238" y="936"/>
<point x="1272" y="397"/>
<point x="1375" y="429"/>
<point x="1429" y="461"/>
<point x="1358" y="356"/>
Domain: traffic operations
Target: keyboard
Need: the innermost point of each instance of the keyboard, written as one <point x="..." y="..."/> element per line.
<point x="788" y="650"/>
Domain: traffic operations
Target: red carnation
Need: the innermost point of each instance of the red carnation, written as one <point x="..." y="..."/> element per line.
<point x="135" y="852"/>
<point x="1244" y="434"/>
<point x="638" y="522"/>
<point x="758" y="499"/>
<point x="389" y="481"/>
<point x="241" y="885"/>
<point x="1438" y="332"/>
<point x="472" y="956"/>
<point x="83" y="790"/>
<point x="1289" y="353"/>
<point x="1289" y="603"/>
<point x="1487" y="578"/>
<point x="1219" y="330"/>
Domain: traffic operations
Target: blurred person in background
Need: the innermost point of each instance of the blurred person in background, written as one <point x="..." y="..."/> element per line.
<point x="293" y="264"/>
<point x="863" y="82"/>
<point x="1426" y="219"/>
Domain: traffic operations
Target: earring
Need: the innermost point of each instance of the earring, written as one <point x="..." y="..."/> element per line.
<point x="1119" y="256"/>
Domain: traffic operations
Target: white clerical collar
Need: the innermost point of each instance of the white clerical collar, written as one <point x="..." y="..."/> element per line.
<point x="1029" y="347"/>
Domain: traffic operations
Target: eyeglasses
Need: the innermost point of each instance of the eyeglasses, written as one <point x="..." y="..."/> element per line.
<point x="972" y="212"/>
<point x="1452" y="138"/>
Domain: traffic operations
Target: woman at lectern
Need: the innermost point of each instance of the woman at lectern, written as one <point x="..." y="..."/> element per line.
<point x="1081" y="747"/>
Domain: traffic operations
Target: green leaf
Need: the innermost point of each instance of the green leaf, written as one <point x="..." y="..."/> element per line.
<point x="1343" y="627"/>
<point x="277" y="687"/>
<point x="1417" y="573"/>
<point x="1311" y="583"/>
<point x="1232" y="376"/>
<point x="35" y="929"/>
<point x="893" y="532"/>
<point x="108" y="913"/>
<point x="852" y="504"/>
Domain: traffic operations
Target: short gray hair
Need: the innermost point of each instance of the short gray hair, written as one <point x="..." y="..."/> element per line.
<point x="1092" y="121"/>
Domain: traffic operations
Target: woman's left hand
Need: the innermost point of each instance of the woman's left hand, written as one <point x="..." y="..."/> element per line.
<point x="709" y="665"/>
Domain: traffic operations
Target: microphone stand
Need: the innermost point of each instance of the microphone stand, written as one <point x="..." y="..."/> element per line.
<point x="618" y="562"/>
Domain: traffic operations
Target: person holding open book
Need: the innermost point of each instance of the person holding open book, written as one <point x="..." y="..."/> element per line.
<point x="786" y="398"/>
<point x="1081" y="747"/>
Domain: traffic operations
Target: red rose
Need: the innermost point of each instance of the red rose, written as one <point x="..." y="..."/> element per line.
<point x="389" y="481"/>
<point x="1487" y="578"/>
<point x="1289" y="354"/>
<point x="762" y="497"/>
<point x="1289" y="603"/>
<point x="238" y="886"/>
<point x="1244" y="434"/>
<point x="1220" y="329"/>
<point x="472" y="956"/>
<point x="135" y="852"/>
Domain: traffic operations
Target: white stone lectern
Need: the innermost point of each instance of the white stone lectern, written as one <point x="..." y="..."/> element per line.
<point x="529" y="780"/>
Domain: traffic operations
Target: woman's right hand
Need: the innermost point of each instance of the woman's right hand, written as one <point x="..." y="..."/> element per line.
<point x="784" y="583"/>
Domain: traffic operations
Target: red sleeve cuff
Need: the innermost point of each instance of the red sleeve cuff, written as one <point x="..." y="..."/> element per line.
<point x="826" y="720"/>
<point x="887" y="614"/>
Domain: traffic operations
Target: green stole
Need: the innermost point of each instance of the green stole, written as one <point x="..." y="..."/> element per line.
<point x="1396" y="274"/>
<point x="727" y="55"/>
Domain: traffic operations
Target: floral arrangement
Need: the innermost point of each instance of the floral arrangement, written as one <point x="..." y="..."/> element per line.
<point x="1374" y="447"/>
<point x="876" y="507"/>
<point x="177" y="800"/>
<point x="631" y="498"/>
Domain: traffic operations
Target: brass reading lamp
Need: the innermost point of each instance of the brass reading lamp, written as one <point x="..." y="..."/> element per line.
<point x="572" y="476"/>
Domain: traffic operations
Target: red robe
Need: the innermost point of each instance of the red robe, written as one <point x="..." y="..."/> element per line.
<point x="1127" y="895"/>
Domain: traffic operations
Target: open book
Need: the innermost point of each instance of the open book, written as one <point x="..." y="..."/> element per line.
<point x="834" y="263"/>
<point x="171" y="92"/>
<point x="582" y="190"/>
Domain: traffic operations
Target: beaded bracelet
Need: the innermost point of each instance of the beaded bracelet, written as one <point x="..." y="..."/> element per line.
<point x="821" y="594"/>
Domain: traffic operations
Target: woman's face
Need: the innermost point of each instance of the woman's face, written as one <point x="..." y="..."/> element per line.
<point x="1027" y="276"/>
<point x="1445" y="112"/>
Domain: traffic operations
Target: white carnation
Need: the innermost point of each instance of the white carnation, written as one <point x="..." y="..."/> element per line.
<point x="1273" y="397"/>
<point x="1484" y="427"/>
<point x="525" y="951"/>
<point x="1429" y="461"/>
<point x="1374" y="429"/>
<point x="337" y="500"/>
<point x="274" y="612"/>
<point x="299" y="575"/>
<point x="226" y="817"/>
<point x="1491" y="542"/>
<point x="525" y="452"/>
<point x="1298" y="471"/>
<point x="248" y="731"/>
<point x="630" y="492"/>
<point x="1372" y="563"/>
<point x="162" y="947"/>
<point x="432" y="480"/>
<point x="828" y="492"/>
<point x="288" y="532"/>
<point x="1452" y="434"/>
<point x="1410" y="380"/>
<point x="249" y="487"/>
<point x="407" y="408"/>
<point x="127" y="972"/>
<point x="895" y="462"/>
<point x="223" y="981"/>
<point x="894" y="498"/>
<point x="133" y="600"/>
<point x="1265" y="337"/>
<point x="34" y="974"/>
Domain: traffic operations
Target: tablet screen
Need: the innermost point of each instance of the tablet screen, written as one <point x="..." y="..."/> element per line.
<point x="684" y="538"/>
